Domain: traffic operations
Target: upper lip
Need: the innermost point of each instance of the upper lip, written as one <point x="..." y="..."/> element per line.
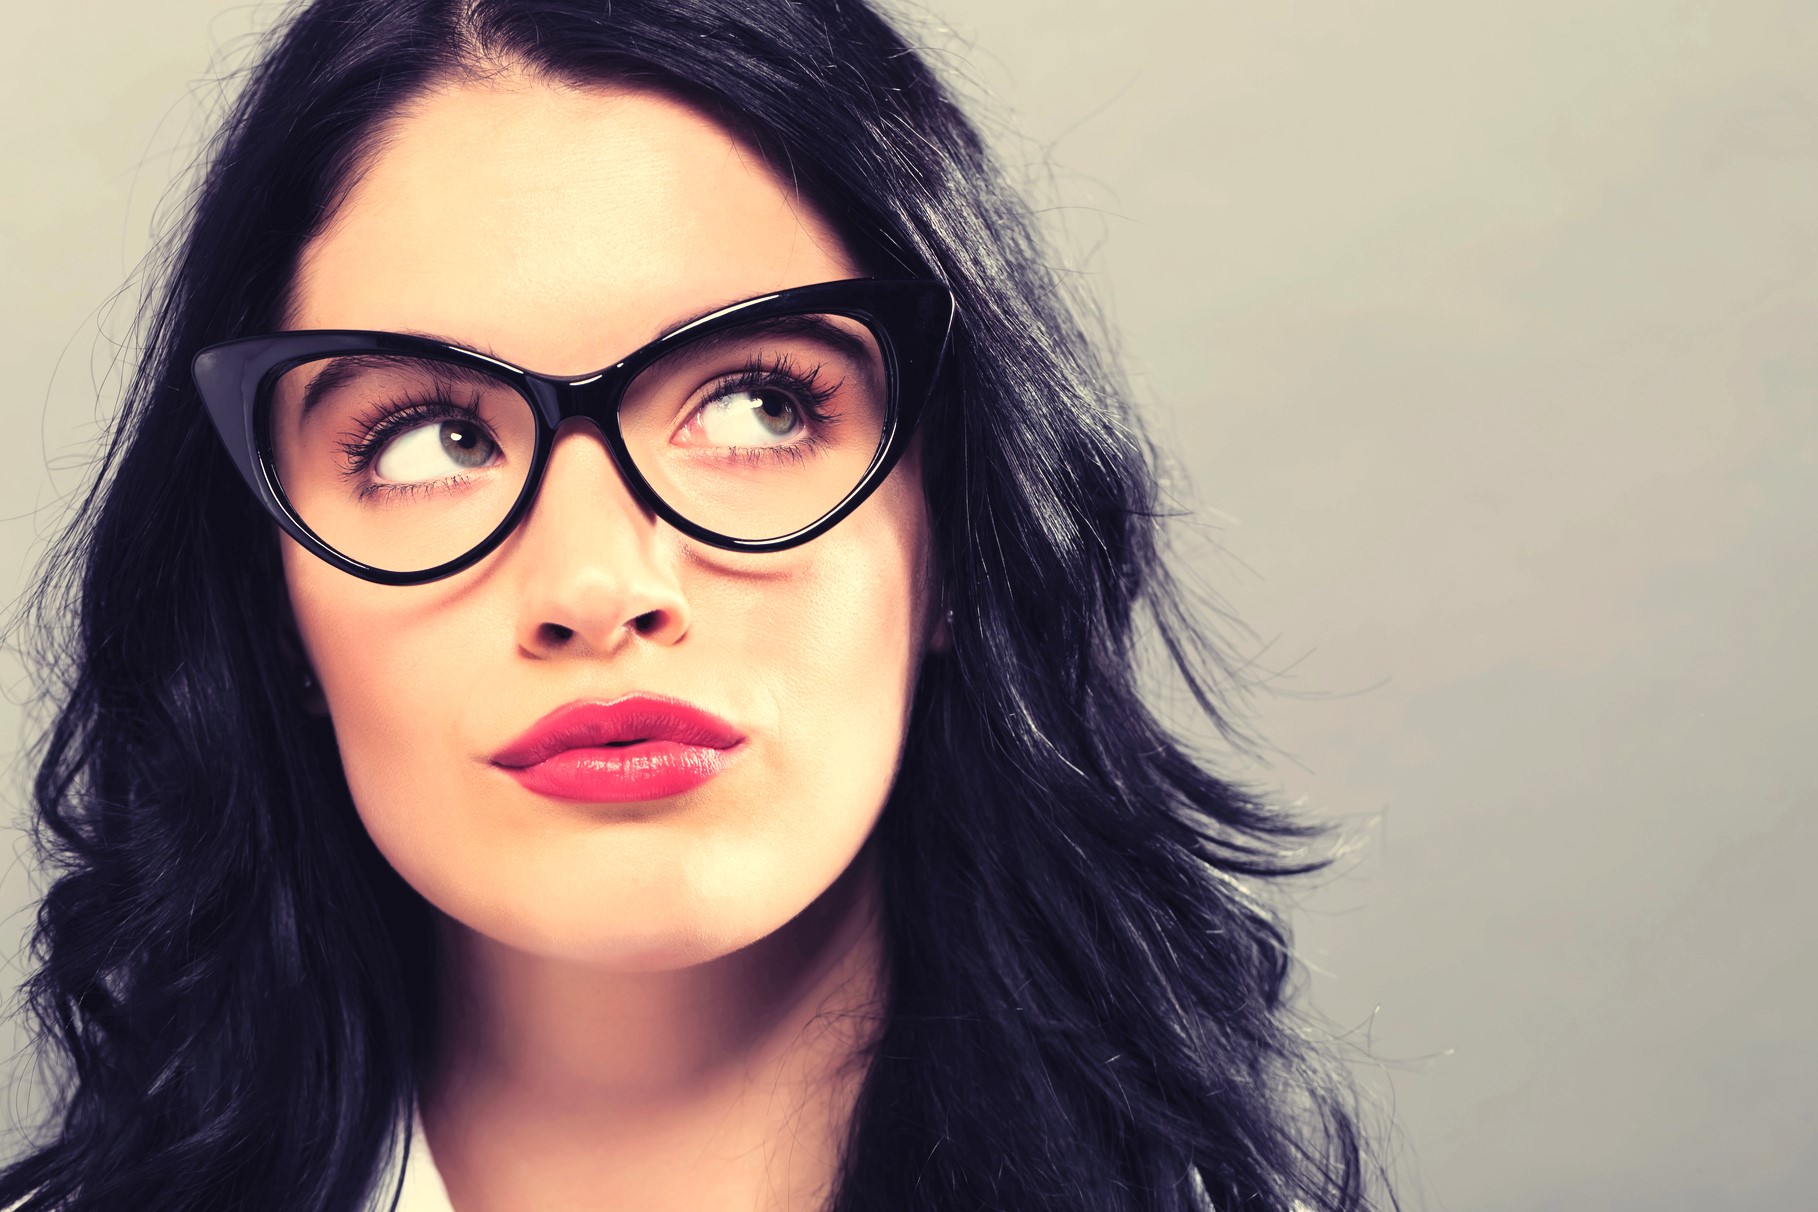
<point x="635" y="717"/>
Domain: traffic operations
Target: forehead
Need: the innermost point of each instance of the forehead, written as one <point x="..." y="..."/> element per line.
<point x="558" y="227"/>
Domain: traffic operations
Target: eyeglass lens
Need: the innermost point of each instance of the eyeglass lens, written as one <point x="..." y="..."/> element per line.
<point x="404" y="463"/>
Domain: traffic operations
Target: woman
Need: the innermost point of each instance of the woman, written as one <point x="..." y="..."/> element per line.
<point x="713" y="780"/>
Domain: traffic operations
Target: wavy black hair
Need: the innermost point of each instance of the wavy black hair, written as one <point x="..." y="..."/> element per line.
<point x="1088" y="1008"/>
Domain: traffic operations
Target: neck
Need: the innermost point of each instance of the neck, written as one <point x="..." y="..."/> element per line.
<point x="724" y="1084"/>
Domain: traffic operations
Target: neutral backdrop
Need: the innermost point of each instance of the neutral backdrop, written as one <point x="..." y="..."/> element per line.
<point x="1481" y="337"/>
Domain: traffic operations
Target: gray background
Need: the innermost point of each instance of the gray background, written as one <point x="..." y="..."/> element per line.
<point x="1481" y="334"/>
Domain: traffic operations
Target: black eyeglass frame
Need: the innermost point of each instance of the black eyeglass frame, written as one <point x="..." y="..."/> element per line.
<point x="911" y="319"/>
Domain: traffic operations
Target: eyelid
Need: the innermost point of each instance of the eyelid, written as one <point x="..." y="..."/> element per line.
<point x="396" y="417"/>
<point x="822" y="329"/>
<point x="340" y="369"/>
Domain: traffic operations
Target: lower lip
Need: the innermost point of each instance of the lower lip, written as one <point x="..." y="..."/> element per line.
<point x="648" y="770"/>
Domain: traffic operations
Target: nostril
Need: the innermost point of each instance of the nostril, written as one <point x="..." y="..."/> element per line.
<point x="647" y="622"/>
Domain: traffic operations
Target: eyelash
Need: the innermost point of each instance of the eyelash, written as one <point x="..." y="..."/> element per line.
<point x="393" y="417"/>
<point x="384" y="422"/>
<point x="779" y="373"/>
<point x="387" y="420"/>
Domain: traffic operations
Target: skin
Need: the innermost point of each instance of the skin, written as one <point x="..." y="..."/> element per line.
<point x="652" y="1005"/>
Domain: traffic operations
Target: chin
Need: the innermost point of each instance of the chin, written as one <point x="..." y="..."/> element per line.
<point x="650" y="952"/>
<point x="618" y="944"/>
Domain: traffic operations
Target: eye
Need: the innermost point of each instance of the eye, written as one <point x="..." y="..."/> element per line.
<point x="425" y="452"/>
<point x="748" y="416"/>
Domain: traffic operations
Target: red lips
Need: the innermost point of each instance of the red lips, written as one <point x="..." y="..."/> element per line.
<point x="636" y="748"/>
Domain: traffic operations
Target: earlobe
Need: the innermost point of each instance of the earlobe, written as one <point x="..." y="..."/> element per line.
<point x="940" y="639"/>
<point x="315" y="702"/>
<point x="297" y="664"/>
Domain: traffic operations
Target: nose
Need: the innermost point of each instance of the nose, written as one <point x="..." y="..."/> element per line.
<point x="594" y="576"/>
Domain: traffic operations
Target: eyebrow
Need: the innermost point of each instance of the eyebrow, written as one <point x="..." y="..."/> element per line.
<point x="818" y="327"/>
<point x="342" y="369"/>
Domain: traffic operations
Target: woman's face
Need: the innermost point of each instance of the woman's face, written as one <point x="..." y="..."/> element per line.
<point x="560" y="229"/>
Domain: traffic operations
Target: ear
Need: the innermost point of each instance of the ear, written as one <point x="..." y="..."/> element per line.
<point x="298" y="669"/>
<point x="940" y="637"/>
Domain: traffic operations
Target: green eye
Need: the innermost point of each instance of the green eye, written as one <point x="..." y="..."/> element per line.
<point x="424" y="452"/>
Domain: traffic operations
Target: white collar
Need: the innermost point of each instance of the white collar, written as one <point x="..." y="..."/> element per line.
<point x="423" y="1189"/>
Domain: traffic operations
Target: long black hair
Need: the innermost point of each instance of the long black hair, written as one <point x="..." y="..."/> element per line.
<point x="1088" y="1008"/>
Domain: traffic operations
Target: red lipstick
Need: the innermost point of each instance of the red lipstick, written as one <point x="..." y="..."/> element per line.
<point x="640" y="747"/>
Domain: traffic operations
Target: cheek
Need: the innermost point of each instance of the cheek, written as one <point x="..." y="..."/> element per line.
<point x="842" y="634"/>
<point x="389" y="661"/>
<point x="834" y="644"/>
